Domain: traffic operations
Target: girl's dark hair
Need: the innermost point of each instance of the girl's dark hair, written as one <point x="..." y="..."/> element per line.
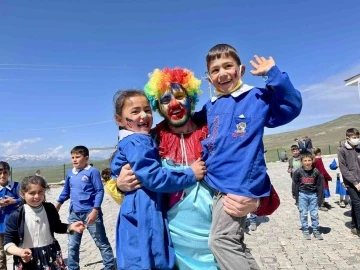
<point x="122" y="95"/>
<point x="4" y="166"/>
<point x="106" y="174"/>
<point x="221" y="50"/>
<point x="317" y="151"/>
<point x="34" y="180"/>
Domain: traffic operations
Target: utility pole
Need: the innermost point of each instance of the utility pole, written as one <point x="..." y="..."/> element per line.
<point x="206" y="78"/>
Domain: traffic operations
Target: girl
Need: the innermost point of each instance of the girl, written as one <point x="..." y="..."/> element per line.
<point x="29" y="234"/>
<point x="142" y="236"/>
<point x="318" y="164"/>
<point x="344" y="200"/>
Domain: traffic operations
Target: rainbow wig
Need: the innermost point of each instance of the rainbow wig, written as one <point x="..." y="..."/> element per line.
<point x="161" y="81"/>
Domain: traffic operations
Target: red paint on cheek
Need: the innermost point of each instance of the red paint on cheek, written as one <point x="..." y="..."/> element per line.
<point x="129" y="124"/>
<point x="236" y="74"/>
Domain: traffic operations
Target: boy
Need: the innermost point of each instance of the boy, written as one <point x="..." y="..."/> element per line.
<point x="295" y="161"/>
<point x="233" y="150"/>
<point x="84" y="187"/>
<point x="308" y="188"/>
<point x="9" y="201"/>
<point x="349" y="164"/>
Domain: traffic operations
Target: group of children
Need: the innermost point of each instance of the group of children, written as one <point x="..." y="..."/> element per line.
<point x="236" y="119"/>
<point x="310" y="186"/>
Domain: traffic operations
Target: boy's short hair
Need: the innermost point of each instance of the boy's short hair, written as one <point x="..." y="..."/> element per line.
<point x="294" y="147"/>
<point x="4" y="166"/>
<point x="221" y="50"/>
<point x="317" y="151"/>
<point x="80" y="149"/>
<point x="307" y="155"/>
<point x="352" y="131"/>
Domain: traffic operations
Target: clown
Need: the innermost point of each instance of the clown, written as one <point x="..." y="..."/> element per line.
<point x="174" y="94"/>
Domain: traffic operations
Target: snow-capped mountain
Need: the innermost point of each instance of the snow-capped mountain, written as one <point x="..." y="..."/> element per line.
<point x="38" y="160"/>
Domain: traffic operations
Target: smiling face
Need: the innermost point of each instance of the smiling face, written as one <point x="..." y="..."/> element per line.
<point x="224" y="73"/>
<point x="136" y="115"/>
<point x="307" y="163"/>
<point x="175" y="106"/>
<point x="35" y="195"/>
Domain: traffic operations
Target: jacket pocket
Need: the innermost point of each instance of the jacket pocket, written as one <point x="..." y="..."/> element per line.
<point x="240" y="127"/>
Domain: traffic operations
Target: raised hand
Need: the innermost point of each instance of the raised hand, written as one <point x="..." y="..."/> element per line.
<point x="261" y="65"/>
<point x="199" y="169"/>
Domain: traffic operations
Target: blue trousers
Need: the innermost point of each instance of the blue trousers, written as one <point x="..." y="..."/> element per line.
<point x="308" y="202"/>
<point x="97" y="232"/>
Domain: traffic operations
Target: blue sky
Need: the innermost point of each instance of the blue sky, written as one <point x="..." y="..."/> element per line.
<point x="62" y="61"/>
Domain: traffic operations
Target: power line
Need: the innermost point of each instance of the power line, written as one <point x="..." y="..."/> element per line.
<point x="57" y="67"/>
<point x="63" y="127"/>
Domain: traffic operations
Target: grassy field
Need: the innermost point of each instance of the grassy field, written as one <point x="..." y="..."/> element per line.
<point x="325" y="136"/>
<point x="53" y="174"/>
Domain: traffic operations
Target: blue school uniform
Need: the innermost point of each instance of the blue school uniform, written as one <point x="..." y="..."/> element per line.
<point x="234" y="149"/>
<point x="85" y="189"/>
<point x="142" y="236"/>
<point x="10" y="190"/>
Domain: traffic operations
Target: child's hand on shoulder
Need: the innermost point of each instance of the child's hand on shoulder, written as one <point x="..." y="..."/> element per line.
<point x="199" y="169"/>
<point x="261" y="65"/>
<point x="77" y="226"/>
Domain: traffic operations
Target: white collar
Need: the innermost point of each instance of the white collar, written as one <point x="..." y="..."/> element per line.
<point x="76" y="171"/>
<point x="9" y="186"/>
<point x="123" y="133"/>
<point x="243" y="88"/>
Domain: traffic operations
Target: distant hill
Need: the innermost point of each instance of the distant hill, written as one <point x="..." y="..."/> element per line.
<point x="329" y="133"/>
<point x="326" y="136"/>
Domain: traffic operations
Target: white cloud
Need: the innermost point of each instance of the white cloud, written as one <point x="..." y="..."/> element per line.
<point x="13" y="148"/>
<point x="325" y="100"/>
<point x="330" y="97"/>
<point x="56" y="151"/>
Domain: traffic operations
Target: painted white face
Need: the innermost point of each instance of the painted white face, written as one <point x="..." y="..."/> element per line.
<point x="175" y="106"/>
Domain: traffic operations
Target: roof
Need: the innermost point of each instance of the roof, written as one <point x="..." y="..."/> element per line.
<point x="353" y="81"/>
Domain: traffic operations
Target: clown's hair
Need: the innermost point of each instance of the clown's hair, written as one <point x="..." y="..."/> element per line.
<point x="162" y="80"/>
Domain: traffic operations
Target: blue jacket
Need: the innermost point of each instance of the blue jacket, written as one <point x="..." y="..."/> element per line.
<point x="84" y="188"/>
<point x="234" y="149"/>
<point x="10" y="190"/>
<point x="142" y="237"/>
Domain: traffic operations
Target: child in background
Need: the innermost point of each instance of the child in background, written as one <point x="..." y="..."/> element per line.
<point x="116" y="196"/>
<point x="318" y="164"/>
<point x="29" y="234"/>
<point x="294" y="164"/>
<point x="142" y="237"/>
<point x="9" y="202"/>
<point x="344" y="198"/>
<point x="309" y="193"/>
<point x="295" y="160"/>
<point x="85" y="190"/>
<point x="349" y="164"/>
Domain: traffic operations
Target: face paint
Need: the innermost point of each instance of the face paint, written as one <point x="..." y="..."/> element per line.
<point x="236" y="74"/>
<point x="128" y="122"/>
<point x="143" y="114"/>
<point x="175" y="106"/>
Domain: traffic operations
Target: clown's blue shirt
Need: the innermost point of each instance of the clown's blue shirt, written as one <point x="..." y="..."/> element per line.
<point x="234" y="149"/>
<point x="142" y="237"/>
